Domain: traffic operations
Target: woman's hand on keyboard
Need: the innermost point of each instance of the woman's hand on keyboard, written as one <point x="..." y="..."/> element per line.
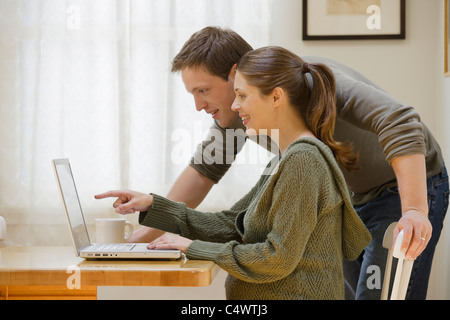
<point x="128" y="201"/>
<point x="170" y="241"/>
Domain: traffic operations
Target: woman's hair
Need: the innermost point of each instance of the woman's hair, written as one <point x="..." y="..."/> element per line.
<point x="215" y="49"/>
<point x="271" y="67"/>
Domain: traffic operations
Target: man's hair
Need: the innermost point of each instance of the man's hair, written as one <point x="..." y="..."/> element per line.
<point x="212" y="48"/>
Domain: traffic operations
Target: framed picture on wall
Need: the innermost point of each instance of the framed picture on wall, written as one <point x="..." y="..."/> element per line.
<point x="353" y="19"/>
<point x="446" y="38"/>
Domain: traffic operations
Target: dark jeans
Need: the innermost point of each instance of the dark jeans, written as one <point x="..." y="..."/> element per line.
<point x="377" y="216"/>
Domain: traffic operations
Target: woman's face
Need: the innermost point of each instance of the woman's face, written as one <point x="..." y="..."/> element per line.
<point x="254" y="109"/>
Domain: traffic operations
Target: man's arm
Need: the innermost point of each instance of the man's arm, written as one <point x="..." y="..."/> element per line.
<point x="191" y="188"/>
<point x="411" y="178"/>
<point x="198" y="178"/>
<point x="401" y="135"/>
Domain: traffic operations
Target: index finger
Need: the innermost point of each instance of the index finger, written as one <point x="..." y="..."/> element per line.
<point x="407" y="235"/>
<point x="109" y="194"/>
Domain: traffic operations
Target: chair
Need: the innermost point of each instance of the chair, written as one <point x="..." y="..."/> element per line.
<point x="404" y="267"/>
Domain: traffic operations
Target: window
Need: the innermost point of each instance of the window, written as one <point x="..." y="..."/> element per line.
<point x="90" y="80"/>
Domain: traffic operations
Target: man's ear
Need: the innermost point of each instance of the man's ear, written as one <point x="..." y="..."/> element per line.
<point x="232" y="73"/>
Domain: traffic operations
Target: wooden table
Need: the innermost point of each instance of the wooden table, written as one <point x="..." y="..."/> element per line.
<point x="56" y="273"/>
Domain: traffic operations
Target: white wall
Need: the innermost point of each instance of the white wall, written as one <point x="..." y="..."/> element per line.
<point x="405" y="68"/>
<point x="440" y="279"/>
<point x="411" y="70"/>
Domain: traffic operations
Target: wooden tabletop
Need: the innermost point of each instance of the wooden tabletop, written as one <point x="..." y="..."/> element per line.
<point x="58" y="266"/>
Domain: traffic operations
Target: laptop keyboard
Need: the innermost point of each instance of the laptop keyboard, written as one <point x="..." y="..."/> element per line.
<point x="112" y="247"/>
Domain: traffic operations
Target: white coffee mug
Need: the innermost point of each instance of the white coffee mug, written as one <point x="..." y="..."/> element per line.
<point x="2" y="228"/>
<point x="112" y="230"/>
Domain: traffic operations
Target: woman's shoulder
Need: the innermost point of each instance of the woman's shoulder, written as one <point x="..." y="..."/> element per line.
<point x="306" y="155"/>
<point x="307" y="147"/>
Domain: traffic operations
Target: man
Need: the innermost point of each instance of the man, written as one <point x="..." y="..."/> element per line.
<point x="401" y="175"/>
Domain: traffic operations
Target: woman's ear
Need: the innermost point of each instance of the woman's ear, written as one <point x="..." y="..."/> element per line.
<point x="278" y="96"/>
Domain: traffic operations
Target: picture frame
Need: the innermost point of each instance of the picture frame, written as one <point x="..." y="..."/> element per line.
<point x="446" y="38"/>
<point x="354" y="19"/>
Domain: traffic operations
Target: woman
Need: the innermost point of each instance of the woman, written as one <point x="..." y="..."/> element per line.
<point x="286" y="239"/>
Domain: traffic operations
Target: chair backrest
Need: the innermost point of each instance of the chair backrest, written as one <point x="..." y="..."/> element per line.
<point x="388" y="244"/>
<point x="404" y="267"/>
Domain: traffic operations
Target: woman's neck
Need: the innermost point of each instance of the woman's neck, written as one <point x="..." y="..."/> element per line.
<point x="286" y="138"/>
<point x="290" y="130"/>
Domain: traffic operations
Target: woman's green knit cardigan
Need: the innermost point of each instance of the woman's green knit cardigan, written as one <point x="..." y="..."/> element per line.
<point x="285" y="239"/>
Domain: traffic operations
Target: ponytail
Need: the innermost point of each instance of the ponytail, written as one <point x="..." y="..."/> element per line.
<point x="271" y="67"/>
<point x="320" y="112"/>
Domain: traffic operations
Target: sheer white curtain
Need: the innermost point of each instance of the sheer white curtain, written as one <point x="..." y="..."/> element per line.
<point x="90" y="80"/>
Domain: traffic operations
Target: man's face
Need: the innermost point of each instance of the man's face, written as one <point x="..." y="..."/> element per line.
<point x="211" y="93"/>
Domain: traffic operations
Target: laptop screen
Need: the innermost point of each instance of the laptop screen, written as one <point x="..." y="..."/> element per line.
<point x="71" y="203"/>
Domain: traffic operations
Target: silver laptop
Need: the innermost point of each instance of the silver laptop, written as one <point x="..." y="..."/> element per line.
<point x="79" y="233"/>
